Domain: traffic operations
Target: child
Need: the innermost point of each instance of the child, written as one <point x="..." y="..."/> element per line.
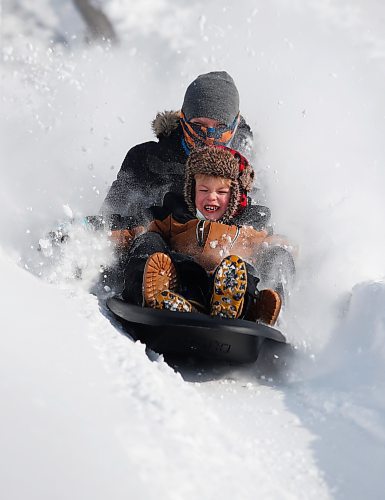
<point x="200" y="247"/>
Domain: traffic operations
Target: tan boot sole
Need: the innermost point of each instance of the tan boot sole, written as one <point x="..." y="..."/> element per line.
<point x="269" y="306"/>
<point x="230" y="283"/>
<point x="172" y="302"/>
<point x="159" y="274"/>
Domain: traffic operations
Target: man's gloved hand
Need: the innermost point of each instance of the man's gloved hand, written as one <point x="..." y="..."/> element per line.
<point x="55" y="238"/>
<point x="118" y="225"/>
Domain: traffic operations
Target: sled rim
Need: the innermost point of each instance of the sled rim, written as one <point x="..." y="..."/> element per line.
<point x="137" y="315"/>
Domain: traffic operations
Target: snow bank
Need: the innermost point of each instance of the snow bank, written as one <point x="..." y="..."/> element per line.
<point x="87" y="414"/>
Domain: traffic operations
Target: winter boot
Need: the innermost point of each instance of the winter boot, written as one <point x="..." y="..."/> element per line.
<point x="159" y="275"/>
<point x="230" y="283"/>
<point x="172" y="302"/>
<point x="268" y="306"/>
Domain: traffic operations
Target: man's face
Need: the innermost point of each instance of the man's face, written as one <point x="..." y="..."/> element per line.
<point x="203" y="131"/>
<point x="212" y="196"/>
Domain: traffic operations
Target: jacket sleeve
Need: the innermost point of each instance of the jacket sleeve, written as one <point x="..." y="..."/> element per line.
<point x="123" y="238"/>
<point x="162" y="227"/>
<point x="257" y="241"/>
<point x="251" y="239"/>
<point x="127" y="195"/>
<point x="256" y="216"/>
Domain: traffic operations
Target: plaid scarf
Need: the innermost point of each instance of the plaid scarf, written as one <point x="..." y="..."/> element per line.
<point x="197" y="135"/>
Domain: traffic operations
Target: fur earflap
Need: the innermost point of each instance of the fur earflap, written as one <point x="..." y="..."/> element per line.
<point x="164" y="123"/>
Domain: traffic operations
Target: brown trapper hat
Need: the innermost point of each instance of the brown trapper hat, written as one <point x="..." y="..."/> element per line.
<point x="224" y="162"/>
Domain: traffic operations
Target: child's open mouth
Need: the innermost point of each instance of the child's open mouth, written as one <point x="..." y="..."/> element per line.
<point x="211" y="208"/>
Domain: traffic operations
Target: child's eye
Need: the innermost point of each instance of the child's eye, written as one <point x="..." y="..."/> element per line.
<point x="223" y="192"/>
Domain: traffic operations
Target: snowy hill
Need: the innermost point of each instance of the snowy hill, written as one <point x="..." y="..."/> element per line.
<point x="84" y="412"/>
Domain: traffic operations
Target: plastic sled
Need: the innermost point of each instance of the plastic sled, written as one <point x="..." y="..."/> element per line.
<point x="193" y="334"/>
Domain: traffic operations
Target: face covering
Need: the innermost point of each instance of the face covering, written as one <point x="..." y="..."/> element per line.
<point x="196" y="135"/>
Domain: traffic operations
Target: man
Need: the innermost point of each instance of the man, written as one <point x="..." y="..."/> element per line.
<point x="209" y="116"/>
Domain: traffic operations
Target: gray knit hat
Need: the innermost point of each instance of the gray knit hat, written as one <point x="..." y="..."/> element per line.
<point x="212" y="95"/>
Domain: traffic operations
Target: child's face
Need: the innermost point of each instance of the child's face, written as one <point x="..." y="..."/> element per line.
<point x="212" y="196"/>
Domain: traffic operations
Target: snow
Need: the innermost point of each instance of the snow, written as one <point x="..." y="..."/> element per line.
<point x="86" y="412"/>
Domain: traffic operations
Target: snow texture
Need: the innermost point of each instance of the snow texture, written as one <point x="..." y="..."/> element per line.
<point x="85" y="411"/>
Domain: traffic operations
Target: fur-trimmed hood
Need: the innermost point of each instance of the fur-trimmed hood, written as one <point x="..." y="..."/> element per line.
<point x="164" y="123"/>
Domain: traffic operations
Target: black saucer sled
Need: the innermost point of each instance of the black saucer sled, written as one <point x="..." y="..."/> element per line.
<point x="193" y="334"/>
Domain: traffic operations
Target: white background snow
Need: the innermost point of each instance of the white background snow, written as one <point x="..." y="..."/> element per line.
<point x="84" y="413"/>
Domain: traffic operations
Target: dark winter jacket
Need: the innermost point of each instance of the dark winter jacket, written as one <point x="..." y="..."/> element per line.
<point x="209" y="242"/>
<point x="152" y="169"/>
